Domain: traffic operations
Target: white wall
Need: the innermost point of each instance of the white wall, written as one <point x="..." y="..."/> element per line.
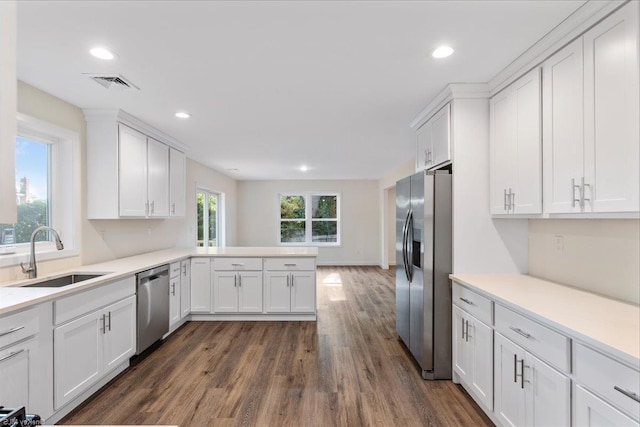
<point x="258" y="210"/>
<point x="480" y="244"/>
<point x="598" y="255"/>
<point x="103" y="240"/>
<point x="390" y="219"/>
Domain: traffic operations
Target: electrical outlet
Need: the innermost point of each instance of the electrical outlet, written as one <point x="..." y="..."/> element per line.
<point x="559" y="239"/>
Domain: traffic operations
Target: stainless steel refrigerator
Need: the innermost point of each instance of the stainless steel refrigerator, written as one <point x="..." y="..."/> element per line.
<point x="423" y="265"/>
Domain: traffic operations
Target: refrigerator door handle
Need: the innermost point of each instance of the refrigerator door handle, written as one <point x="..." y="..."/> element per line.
<point x="409" y="259"/>
<point x="405" y="235"/>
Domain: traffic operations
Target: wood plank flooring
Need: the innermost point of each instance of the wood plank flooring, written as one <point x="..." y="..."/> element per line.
<point x="346" y="369"/>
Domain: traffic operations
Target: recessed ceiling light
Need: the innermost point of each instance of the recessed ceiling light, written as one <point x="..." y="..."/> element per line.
<point x="102" y="53"/>
<point x="182" y="115"/>
<point x="304" y="168"/>
<point x="442" y="52"/>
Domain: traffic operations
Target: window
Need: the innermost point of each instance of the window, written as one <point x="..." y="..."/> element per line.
<point x="311" y="219"/>
<point x="46" y="172"/>
<point x="208" y="208"/>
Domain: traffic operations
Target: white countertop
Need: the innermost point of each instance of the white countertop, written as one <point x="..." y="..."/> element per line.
<point x="13" y="296"/>
<point x="588" y="317"/>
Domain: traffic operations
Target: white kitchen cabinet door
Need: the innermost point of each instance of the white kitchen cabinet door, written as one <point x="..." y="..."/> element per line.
<point x="461" y="353"/>
<point x="509" y="391"/>
<point x="591" y="411"/>
<point x="119" y="337"/>
<point x="185" y="288"/>
<point x="77" y="356"/>
<point x="440" y="137"/>
<point x="200" y="285"/>
<point x="132" y="172"/>
<point x="303" y="292"/>
<point x="277" y="293"/>
<point x="225" y="292"/>
<point x="250" y="292"/>
<point x="158" y="178"/>
<point x="17" y="374"/>
<point x="174" y="301"/>
<point x="423" y="147"/>
<point x="177" y="183"/>
<point x="548" y="394"/>
<point x="563" y="148"/>
<point x="612" y="111"/>
<point x="501" y="150"/>
<point x="481" y="360"/>
<point x="527" y="153"/>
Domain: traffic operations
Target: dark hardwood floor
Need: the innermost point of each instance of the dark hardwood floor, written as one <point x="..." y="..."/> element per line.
<point x="348" y="369"/>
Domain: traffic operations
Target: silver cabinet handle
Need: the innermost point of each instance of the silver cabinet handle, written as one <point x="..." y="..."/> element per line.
<point x="173" y="289"/>
<point x="146" y="208"/>
<point x="14" y="354"/>
<point x="505" y="199"/>
<point x="235" y="280"/>
<point x="522" y="373"/>
<point x="290" y="265"/>
<point x="509" y="206"/>
<point x="582" y="192"/>
<point x="512" y="201"/>
<point x="521" y="332"/>
<point x="292" y="280"/>
<point x="10" y="331"/>
<point x="627" y="393"/>
<point x="173" y="208"/>
<point x="239" y="264"/>
<point x="462" y="324"/>
<point x="104" y="324"/>
<point x="153" y="207"/>
<point x="573" y="193"/>
<point x="466" y="322"/>
<point x="184" y="269"/>
<point x="515" y="370"/>
<point x="109" y="317"/>
<point x="239" y="280"/>
<point x="467" y="301"/>
<point x="426" y="158"/>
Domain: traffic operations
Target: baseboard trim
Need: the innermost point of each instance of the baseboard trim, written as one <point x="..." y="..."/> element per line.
<point x="258" y="317"/>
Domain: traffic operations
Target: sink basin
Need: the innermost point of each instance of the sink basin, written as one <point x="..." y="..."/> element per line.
<point x="63" y="281"/>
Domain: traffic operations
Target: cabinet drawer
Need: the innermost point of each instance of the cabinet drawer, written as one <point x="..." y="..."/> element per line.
<point x="473" y="303"/>
<point x="549" y="345"/>
<point x="608" y="378"/>
<point x="16" y="327"/>
<point x="174" y="269"/>
<point x="81" y="303"/>
<point x="289" y="264"/>
<point x="237" y="264"/>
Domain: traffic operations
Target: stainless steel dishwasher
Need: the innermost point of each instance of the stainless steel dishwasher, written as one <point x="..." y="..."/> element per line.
<point x="153" y="306"/>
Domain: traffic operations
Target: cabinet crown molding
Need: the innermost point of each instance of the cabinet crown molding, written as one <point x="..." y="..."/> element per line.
<point x="451" y="91"/>
<point x="117" y="115"/>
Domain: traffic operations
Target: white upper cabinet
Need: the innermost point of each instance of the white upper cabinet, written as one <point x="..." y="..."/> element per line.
<point x="177" y="183"/>
<point x="516" y="170"/>
<point x="591" y="109"/>
<point x="130" y="173"/>
<point x="612" y="113"/>
<point x="433" y="143"/>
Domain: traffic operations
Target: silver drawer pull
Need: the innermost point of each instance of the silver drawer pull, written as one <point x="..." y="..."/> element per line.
<point x="627" y="393"/>
<point x="237" y="264"/>
<point x="10" y="331"/>
<point x="520" y="332"/>
<point x="467" y="301"/>
<point x="290" y="265"/>
<point x="14" y="354"/>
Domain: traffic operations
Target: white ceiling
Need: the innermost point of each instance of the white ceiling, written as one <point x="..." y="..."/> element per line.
<point x="273" y="85"/>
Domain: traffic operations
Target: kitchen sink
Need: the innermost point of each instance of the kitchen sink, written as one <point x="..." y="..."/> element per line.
<point x="63" y="281"/>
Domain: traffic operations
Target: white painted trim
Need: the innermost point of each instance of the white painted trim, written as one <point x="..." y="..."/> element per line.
<point x="568" y="30"/>
<point x="99" y="114"/>
<point x="252" y="317"/>
<point x="450" y="92"/>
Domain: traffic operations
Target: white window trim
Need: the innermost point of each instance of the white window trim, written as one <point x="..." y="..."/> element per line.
<point x="65" y="192"/>
<point x="309" y="221"/>
<point x="221" y="238"/>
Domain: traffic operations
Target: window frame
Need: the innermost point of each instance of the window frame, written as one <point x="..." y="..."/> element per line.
<point x="308" y="218"/>
<point x="63" y="192"/>
<point x="220" y="217"/>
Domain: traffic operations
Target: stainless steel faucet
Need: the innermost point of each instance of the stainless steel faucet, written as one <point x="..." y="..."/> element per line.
<point x="33" y="269"/>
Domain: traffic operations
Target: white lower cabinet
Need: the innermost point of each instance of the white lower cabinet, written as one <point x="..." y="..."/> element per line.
<point x="185" y="288"/>
<point x="528" y="392"/>
<point x="237" y="292"/>
<point x="473" y="355"/>
<point x="174" y="301"/>
<point x="200" y="285"/>
<point x="290" y="292"/>
<point x="89" y="347"/>
<point x="591" y="411"/>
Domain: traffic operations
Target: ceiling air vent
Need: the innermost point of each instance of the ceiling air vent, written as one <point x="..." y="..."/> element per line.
<point x="113" y="82"/>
